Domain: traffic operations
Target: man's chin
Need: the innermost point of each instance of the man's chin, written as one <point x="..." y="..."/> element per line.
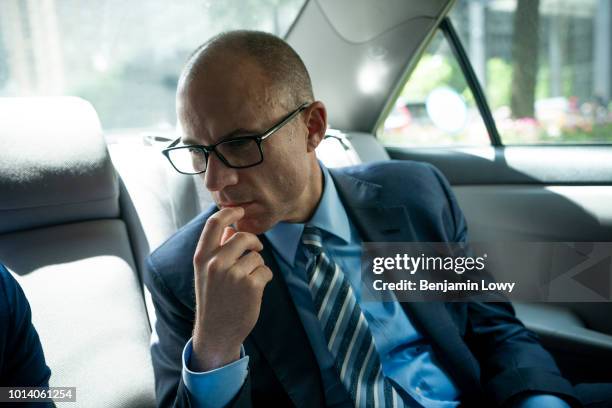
<point x="255" y="224"/>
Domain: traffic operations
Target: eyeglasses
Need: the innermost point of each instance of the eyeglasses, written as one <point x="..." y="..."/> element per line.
<point x="237" y="153"/>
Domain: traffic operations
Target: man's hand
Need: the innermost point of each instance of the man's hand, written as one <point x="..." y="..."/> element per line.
<point x="230" y="277"/>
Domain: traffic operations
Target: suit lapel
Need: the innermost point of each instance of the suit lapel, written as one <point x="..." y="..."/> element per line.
<point x="282" y="340"/>
<point x="378" y="222"/>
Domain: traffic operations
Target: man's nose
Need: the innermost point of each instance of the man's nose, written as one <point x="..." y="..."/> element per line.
<point x="218" y="175"/>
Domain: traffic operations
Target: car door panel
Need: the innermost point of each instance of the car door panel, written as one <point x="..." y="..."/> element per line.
<point x="539" y="194"/>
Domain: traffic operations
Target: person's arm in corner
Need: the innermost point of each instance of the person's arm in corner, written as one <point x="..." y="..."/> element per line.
<point x="514" y="366"/>
<point x="23" y="360"/>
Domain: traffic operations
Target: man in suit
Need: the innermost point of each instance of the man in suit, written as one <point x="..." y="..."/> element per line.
<point x="257" y="299"/>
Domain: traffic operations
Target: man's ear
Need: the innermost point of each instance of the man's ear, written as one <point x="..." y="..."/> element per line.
<point x="316" y="122"/>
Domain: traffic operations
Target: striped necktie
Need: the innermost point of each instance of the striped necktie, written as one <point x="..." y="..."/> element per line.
<point x="346" y="330"/>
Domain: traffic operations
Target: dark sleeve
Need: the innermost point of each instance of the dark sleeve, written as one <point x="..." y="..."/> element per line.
<point x="22" y="361"/>
<point x="511" y="359"/>
<point x="171" y="331"/>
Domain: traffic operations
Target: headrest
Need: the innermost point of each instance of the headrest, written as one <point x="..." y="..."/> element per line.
<point x="54" y="166"/>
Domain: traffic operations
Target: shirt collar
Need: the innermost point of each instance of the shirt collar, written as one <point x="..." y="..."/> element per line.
<point x="330" y="216"/>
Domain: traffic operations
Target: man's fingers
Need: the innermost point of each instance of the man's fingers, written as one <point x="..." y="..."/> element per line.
<point x="248" y="262"/>
<point x="228" y="232"/>
<point x="238" y="244"/>
<point x="262" y="275"/>
<point x="210" y="239"/>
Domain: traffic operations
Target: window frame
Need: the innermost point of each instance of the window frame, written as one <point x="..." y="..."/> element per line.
<point x="447" y="28"/>
<point x="454" y="43"/>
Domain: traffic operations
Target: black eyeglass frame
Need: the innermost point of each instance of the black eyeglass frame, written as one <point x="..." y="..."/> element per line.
<point x="207" y="150"/>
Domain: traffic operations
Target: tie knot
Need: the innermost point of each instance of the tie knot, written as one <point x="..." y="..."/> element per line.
<point x="311" y="239"/>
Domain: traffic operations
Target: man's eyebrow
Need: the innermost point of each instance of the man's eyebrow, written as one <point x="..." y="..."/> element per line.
<point x="239" y="132"/>
<point x="233" y="134"/>
<point x="187" y="142"/>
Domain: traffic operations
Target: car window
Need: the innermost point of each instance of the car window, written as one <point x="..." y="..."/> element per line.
<point x="435" y="106"/>
<point x="123" y="57"/>
<point x="544" y="66"/>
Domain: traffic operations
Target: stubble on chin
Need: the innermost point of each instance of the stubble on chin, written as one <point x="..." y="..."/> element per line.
<point x="253" y="225"/>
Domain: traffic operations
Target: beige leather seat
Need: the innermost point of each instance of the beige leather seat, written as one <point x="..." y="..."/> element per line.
<point x="73" y="237"/>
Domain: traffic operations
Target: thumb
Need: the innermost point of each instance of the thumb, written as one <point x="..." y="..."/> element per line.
<point x="228" y="232"/>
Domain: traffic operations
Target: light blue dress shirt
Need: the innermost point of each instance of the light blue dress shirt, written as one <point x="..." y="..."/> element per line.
<point x="404" y="353"/>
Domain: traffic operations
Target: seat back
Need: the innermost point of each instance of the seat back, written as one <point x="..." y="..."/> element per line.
<point x="65" y="234"/>
<point x="341" y="149"/>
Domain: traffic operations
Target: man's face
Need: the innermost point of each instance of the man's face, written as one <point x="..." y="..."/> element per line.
<point x="231" y="98"/>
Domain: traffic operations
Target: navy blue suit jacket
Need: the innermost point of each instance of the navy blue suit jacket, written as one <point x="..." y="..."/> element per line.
<point x="484" y="348"/>
<point x="22" y="362"/>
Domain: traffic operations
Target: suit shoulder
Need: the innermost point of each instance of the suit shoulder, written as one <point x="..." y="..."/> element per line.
<point x="390" y="170"/>
<point x="420" y="188"/>
<point x="402" y="178"/>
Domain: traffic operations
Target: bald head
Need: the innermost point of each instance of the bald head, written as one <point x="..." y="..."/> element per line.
<point x="276" y="60"/>
<point x="233" y="90"/>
